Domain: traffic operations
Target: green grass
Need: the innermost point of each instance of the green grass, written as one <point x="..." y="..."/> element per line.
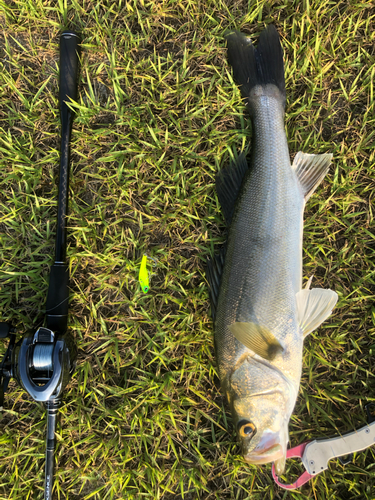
<point x="158" y="114"/>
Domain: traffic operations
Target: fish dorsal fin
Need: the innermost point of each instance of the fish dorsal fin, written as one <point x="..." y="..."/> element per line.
<point x="314" y="306"/>
<point x="311" y="170"/>
<point x="228" y="184"/>
<point x="257" y="338"/>
<point x="214" y="272"/>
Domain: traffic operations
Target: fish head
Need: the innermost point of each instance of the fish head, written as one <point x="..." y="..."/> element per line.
<point x="262" y="428"/>
<point x="262" y="400"/>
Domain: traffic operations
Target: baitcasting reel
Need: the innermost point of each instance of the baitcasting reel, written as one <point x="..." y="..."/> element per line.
<point x="43" y="362"/>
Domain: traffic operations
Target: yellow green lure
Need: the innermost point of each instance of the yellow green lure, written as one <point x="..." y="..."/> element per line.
<point x="143" y="275"/>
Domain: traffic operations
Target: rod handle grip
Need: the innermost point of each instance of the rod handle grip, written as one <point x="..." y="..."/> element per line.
<point x="69" y="45"/>
<point x="57" y="298"/>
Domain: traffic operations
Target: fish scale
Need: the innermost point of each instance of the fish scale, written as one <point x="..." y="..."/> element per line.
<point x="262" y="242"/>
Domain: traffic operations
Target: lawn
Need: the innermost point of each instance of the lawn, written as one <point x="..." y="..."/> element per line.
<point x="158" y="115"/>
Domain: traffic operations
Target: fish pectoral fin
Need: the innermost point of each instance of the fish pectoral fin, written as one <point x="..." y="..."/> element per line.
<point x="311" y="170"/>
<point x="257" y="338"/>
<point x="313" y="307"/>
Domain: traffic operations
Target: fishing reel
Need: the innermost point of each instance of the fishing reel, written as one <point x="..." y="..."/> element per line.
<point x="42" y="363"/>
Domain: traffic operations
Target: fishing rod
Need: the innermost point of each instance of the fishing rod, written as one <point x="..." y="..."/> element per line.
<point x="43" y="362"/>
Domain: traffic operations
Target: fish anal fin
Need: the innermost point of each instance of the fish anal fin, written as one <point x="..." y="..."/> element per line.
<point x="257" y="338"/>
<point x="311" y="170"/>
<point x="313" y="307"/>
<point x="228" y="184"/>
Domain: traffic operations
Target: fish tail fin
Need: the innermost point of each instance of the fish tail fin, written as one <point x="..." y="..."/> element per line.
<point x="258" y="66"/>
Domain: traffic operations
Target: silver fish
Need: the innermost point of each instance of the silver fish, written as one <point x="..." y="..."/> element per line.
<point x="261" y="313"/>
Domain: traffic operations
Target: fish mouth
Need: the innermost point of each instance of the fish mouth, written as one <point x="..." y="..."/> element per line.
<point x="269" y="449"/>
<point x="271" y="454"/>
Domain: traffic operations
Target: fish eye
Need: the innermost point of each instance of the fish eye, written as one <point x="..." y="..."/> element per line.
<point x="245" y="428"/>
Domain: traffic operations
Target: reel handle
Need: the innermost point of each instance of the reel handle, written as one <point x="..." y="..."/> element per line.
<point x="5" y="330"/>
